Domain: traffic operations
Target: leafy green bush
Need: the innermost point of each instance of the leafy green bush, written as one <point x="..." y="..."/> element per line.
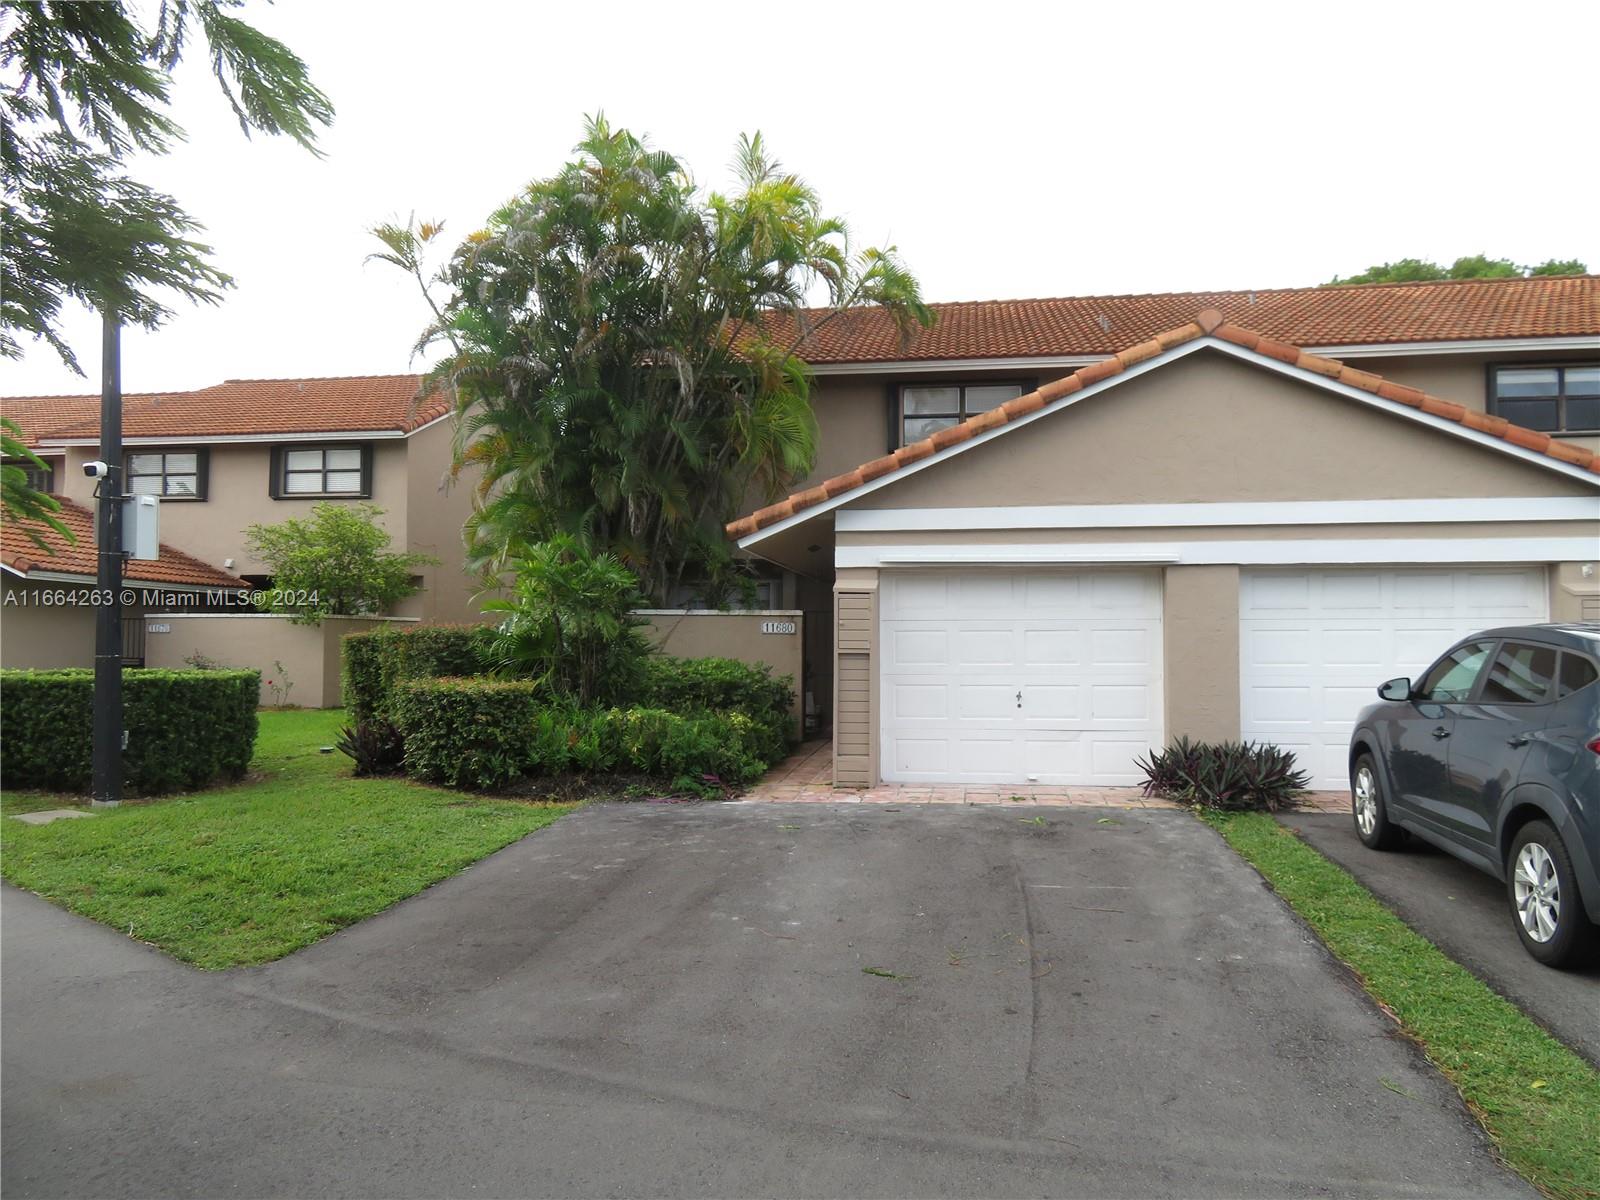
<point x="336" y="562"/>
<point x="570" y="625"/>
<point x="725" y="685"/>
<point x="378" y="660"/>
<point x="185" y="729"/>
<point x="727" y="747"/>
<point x="467" y="733"/>
<point x="1231" y="776"/>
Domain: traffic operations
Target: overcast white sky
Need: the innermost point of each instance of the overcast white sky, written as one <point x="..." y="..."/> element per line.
<point x="1009" y="150"/>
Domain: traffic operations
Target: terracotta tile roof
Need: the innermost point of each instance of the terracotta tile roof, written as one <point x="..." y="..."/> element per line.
<point x="78" y="558"/>
<point x="1209" y="322"/>
<point x="1453" y="310"/>
<point x="358" y="403"/>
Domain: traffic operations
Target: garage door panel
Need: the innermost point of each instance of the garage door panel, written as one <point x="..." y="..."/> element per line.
<point x="1082" y="647"/>
<point x="1052" y="647"/>
<point x="986" y="647"/>
<point x="1044" y="594"/>
<point x="986" y="701"/>
<point x="919" y="701"/>
<point x="1052" y="702"/>
<point x="1313" y="647"/>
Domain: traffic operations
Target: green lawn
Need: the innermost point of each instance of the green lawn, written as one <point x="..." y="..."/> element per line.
<point x="247" y="873"/>
<point x="1538" y="1100"/>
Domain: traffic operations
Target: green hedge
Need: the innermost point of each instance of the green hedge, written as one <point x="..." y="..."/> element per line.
<point x="484" y="733"/>
<point x="703" y="686"/>
<point x="696" y="748"/>
<point x="378" y="661"/>
<point x="185" y="729"/>
<point x="468" y="733"/>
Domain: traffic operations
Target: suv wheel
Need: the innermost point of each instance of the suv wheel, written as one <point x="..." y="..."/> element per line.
<point x="1368" y="808"/>
<point x="1544" y="898"/>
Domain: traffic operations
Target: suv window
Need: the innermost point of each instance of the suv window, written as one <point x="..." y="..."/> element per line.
<point x="1519" y="674"/>
<point x="1576" y="672"/>
<point x="1453" y="675"/>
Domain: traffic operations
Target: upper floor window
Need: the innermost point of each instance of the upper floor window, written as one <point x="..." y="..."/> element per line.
<point x="170" y="474"/>
<point x="342" y="470"/>
<point x="40" y="479"/>
<point x="926" y="408"/>
<point x="1559" y="399"/>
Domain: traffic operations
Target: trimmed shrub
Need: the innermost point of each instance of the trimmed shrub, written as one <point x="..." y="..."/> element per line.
<point x="727" y="747"/>
<point x="466" y="733"/>
<point x="725" y="685"/>
<point x="185" y="729"/>
<point x="1231" y="776"/>
<point x="377" y="661"/>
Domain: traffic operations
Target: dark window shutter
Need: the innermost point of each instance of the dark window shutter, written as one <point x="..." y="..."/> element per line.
<point x="275" y="473"/>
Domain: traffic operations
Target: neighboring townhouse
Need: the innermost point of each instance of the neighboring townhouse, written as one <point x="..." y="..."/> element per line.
<point x="1044" y="536"/>
<point x="252" y="451"/>
<point x="48" y="619"/>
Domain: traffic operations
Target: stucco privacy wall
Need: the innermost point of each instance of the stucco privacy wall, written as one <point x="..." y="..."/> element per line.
<point x="774" y="638"/>
<point x="310" y="654"/>
<point x="38" y="637"/>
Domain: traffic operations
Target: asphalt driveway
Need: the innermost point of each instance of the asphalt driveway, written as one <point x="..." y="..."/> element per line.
<point x="745" y="999"/>
<point x="1464" y="912"/>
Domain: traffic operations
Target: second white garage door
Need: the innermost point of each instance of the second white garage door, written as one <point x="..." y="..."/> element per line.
<point x="1315" y="644"/>
<point x="997" y="675"/>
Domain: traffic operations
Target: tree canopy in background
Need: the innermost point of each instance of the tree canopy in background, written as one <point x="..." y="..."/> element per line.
<point x="85" y="87"/>
<point x="614" y="377"/>
<point x="1476" y="266"/>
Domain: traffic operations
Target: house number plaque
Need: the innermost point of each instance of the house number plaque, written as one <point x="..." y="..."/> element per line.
<point x="777" y="627"/>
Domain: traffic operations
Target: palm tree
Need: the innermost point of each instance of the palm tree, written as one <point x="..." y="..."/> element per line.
<point x="613" y="358"/>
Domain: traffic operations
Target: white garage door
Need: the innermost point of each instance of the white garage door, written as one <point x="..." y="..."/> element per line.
<point x="1315" y="644"/>
<point x="994" y="675"/>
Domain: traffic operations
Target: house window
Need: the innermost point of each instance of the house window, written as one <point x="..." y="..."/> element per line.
<point x="926" y="408"/>
<point x="322" y="471"/>
<point x="40" y="479"/>
<point x="1561" y="399"/>
<point x="170" y="474"/>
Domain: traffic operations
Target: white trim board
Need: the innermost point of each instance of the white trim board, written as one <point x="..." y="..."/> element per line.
<point x="231" y="439"/>
<point x="141" y="585"/>
<point x="1208" y="342"/>
<point x="1484" y="346"/>
<point x="1305" y="552"/>
<point x="1014" y="362"/>
<point x="1289" y="512"/>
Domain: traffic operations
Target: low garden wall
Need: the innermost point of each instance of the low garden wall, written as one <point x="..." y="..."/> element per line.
<point x="299" y="664"/>
<point x="771" y="637"/>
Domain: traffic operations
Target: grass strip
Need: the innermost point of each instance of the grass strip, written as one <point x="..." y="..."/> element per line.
<point x="1539" y="1102"/>
<point x="245" y="874"/>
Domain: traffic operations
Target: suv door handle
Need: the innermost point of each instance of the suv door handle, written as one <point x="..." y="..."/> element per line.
<point x="1519" y="741"/>
<point x="1441" y="733"/>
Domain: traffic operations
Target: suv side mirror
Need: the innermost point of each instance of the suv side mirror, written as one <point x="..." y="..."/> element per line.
<point x="1396" y="689"/>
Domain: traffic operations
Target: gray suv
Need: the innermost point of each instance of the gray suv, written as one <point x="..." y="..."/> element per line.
<point x="1494" y="756"/>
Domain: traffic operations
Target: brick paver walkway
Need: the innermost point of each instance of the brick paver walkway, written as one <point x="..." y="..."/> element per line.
<point x="806" y="776"/>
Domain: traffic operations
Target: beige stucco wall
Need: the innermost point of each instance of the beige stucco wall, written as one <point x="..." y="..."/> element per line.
<point x="1177" y="535"/>
<point x="309" y="654"/>
<point x="237" y="496"/>
<point x="437" y="507"/>
<point x="1575" y="596"/>
<point x="1200" y="628"/>
<point x="39" y="637"/>
<point x="1464" y="378"/>
<point x="705" y="633"/>
<point x="1211" y="428"/>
